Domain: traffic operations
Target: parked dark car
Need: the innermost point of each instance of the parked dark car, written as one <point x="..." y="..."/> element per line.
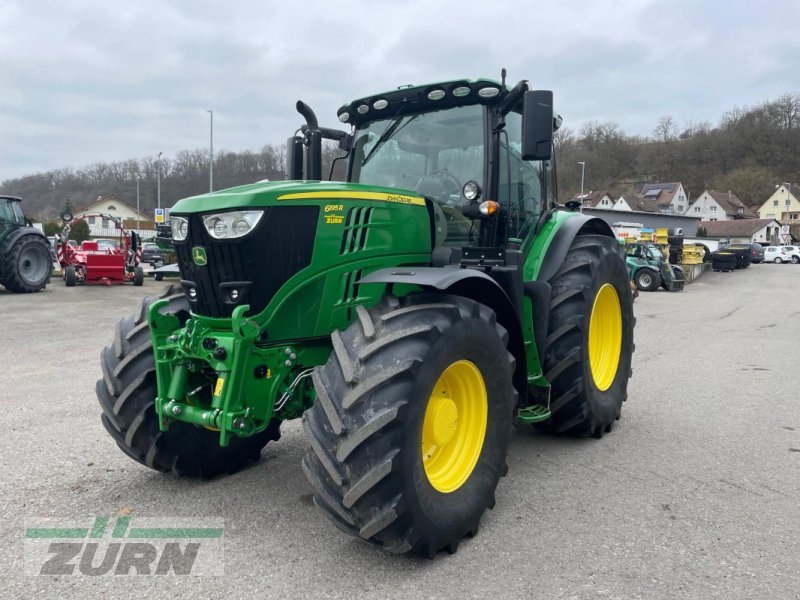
<point x="152" y="254"/>
<point x="756" y="251"/>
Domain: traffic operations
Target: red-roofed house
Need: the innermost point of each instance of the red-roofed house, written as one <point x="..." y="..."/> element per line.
<point x="669" y="197"/>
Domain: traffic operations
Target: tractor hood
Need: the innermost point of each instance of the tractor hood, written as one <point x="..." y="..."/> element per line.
<point x="274" y="193"/>
<point x="309" y="243"/>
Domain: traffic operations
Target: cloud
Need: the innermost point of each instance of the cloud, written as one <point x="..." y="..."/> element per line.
<point x="86" y="82"/>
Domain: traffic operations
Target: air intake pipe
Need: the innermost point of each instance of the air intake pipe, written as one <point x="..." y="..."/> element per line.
<point x="313" y="142"/>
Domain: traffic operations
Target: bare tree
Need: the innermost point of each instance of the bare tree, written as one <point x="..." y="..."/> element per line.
<point x="666" y="130"/>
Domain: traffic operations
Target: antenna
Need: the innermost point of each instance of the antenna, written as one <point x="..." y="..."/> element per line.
<point x="503" y="77"/>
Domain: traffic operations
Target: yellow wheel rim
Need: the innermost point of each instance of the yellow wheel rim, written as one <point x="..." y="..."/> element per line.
<point x="454" y="426"/>
<point x="605" y="337"/>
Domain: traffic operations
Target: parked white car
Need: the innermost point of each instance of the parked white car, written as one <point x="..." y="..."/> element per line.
<point x="793" y="252"/>
<point x="776" y="254"/>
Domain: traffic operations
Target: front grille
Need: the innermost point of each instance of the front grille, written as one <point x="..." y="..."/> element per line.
<point x="262" y="261"/>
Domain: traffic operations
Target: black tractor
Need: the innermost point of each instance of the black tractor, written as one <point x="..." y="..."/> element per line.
<point x="25" y="261"/>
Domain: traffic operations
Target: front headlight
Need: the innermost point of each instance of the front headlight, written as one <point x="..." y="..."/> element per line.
<point x="180" y="228"/>
<point x="230" y="225"/>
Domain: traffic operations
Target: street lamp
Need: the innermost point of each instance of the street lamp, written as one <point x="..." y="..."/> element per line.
<point x="158" y="193"/>
<point x="582" y="163"/>
<point x="211" y="154"/>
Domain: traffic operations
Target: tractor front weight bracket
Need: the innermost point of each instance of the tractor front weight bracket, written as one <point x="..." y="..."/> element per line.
<point x="244" y="380"/>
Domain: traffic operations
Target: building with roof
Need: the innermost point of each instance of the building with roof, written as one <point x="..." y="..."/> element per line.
<point x="712" y="205"/>
<point x="763" y="231"/>
<point x="783" y="205"/>
<point x="670" y="198"/>
<point x="115" y="206"/>
<point x="598" y="199"/>
<point x="635" y="203"/>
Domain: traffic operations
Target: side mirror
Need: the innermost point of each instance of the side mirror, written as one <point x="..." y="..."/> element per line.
<point x="537" y="125"/>
<point x="294" y="158"/>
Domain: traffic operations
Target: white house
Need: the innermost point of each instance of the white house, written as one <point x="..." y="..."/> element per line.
<point x="762" y="231"/>
<point x="783" y="205"/>
<point x="599" y="199"/>
<point x="100" y="227"/>
<point x="719" y="206"/>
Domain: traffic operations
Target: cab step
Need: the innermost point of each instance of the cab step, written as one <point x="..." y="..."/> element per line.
<point x="535" y="413"/>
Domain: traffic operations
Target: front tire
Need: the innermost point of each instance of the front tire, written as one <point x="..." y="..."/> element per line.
<point x="412" y="422"/>
<point x="138" y="276"/>
<point x="647" y="280"/>
<point x="70" y="277"/>
<point x="127" y="393"/>
<point x="587" y="359"/>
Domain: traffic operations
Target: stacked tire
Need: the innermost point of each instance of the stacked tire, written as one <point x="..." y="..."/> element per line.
<point x="675" y="249"/>
<point x="743" y="257"/>
<point x="723" y="261"/>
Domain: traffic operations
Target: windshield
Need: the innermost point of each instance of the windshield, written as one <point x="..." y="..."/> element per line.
<point x="434" y="154"/>
<point x="655" y="253"/>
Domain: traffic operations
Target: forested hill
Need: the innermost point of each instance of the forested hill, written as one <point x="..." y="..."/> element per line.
<point x="749" y="151"/>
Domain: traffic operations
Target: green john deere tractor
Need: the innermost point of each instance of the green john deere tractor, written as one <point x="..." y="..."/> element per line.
<point x="410" y="316"/>
<point x="25" y="261"/>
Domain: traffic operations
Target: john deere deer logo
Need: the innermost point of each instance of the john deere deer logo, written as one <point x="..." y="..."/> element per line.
<point x="199" y="256"/>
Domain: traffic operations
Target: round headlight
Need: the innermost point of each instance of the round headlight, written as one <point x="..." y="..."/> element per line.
<point x="344" y="117"/>
<point x="362" y="109"/>
<point x="192" y="293"/>
<point x="220" y="229"/>
<point x="380" y="104"/>
<point x="435" y="94"/>
<point x="183" y="229"/>
<point x="488" y="92"/>
<point x="241" y="226"/>
<point x="461" y="91"/>
<point x="471" y="190"/>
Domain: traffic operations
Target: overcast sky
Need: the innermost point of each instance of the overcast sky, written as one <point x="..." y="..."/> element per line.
<point x="85" y="81"/>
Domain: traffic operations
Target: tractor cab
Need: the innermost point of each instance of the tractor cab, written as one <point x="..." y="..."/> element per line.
<point x="479" y="154"/>
<point x="11" y="215"/>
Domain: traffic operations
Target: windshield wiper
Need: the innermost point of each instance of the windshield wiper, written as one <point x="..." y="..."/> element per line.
<point x="387" y="133"/>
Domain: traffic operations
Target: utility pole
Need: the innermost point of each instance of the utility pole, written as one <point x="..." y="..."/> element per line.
<point x="158" y="193"/>
<point x="582" y="163"/>
<point x="211" y="154"/>
<point x="138" y="212"/>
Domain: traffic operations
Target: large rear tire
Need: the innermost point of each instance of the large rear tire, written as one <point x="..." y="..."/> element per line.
<point x="412" y="422"/>
<point x="587" y="359"/>
<point x="127" y="393"/>
<point x="27" y="265"/>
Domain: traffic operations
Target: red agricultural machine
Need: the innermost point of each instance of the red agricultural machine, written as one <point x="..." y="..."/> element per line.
<point x="100" y="261"/>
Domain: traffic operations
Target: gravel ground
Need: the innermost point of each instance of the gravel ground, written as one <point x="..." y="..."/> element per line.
<point x="694" y="494"/>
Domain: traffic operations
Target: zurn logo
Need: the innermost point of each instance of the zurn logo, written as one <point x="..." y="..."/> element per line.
<point x="120" y="546"/>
